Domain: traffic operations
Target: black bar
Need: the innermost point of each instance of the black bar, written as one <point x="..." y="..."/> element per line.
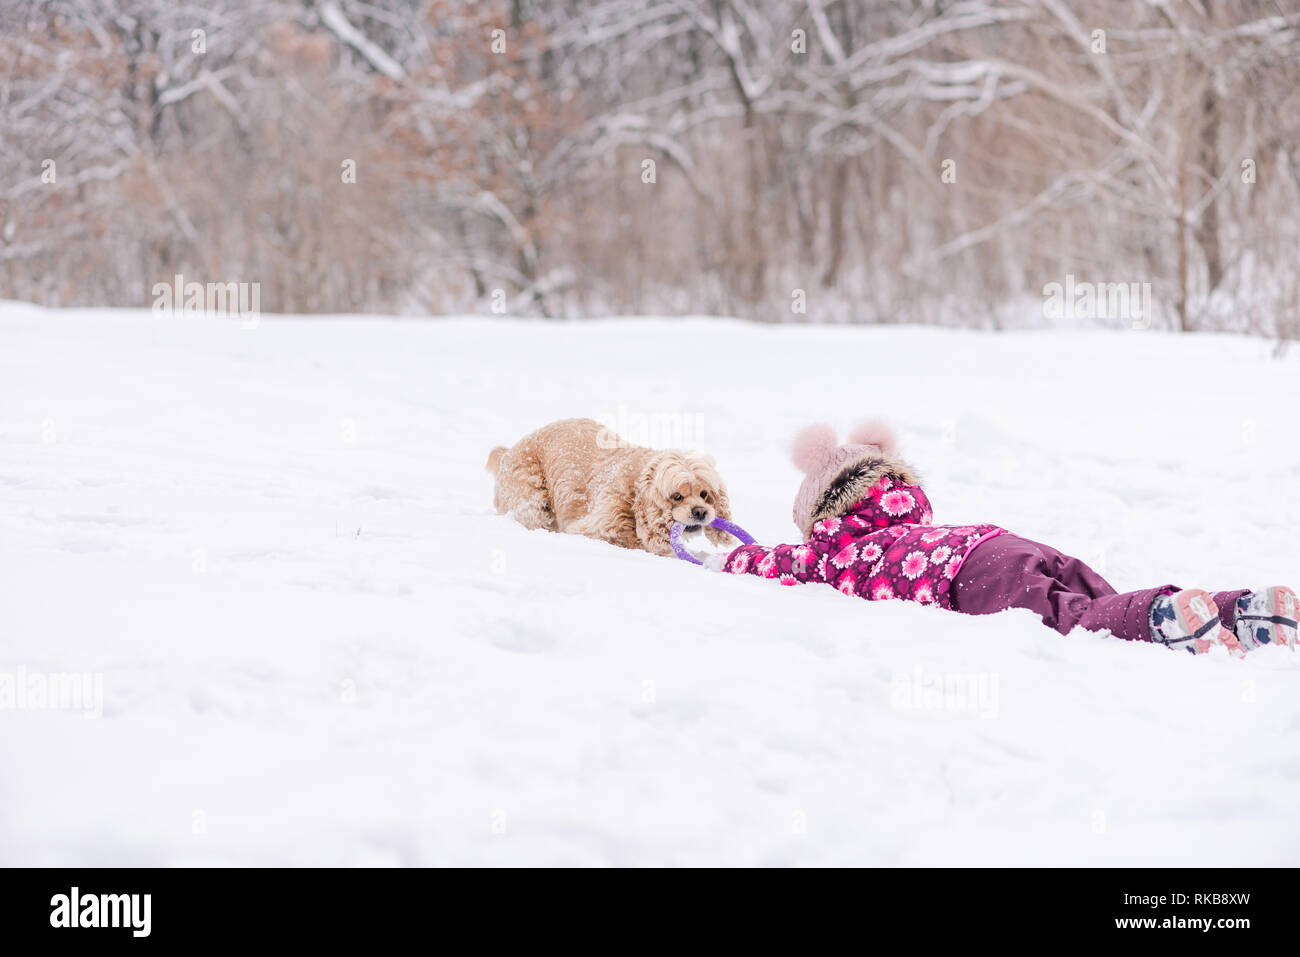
<point x="337" y="908"/>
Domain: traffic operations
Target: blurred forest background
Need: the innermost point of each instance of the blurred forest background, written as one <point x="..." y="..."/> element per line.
<point x="917" y="160"/>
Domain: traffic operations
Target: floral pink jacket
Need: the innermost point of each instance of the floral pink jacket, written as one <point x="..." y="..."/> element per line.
<point x="883" y="547"/>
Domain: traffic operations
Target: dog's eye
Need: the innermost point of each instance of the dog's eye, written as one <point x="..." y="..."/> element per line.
<point x="677" y="496"/>
<point x="705" y="496"/>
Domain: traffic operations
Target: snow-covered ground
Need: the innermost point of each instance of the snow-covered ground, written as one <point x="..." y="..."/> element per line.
<point x="318" y="645"/>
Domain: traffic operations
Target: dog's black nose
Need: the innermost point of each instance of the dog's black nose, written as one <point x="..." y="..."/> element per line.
<point x="698" y="513"/>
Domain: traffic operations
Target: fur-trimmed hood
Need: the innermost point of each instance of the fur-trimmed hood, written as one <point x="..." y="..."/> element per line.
<point x="839" y="476"/>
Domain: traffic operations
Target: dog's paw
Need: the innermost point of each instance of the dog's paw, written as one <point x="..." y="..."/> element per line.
<point x="659" y="547"/>
<point x="717" y="536"/>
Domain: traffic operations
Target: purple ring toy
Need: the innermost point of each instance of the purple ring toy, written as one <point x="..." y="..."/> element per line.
<point x="731" y="528"/>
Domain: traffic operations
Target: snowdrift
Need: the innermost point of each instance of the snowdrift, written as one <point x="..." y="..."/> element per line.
<point x="317" y="644"/>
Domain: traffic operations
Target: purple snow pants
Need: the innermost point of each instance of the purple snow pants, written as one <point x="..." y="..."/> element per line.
<point x="1013" y="572"/>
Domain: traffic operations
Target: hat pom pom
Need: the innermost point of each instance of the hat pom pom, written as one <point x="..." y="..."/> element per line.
<point x="874" y="432"/>
<point x="812" y="446"/>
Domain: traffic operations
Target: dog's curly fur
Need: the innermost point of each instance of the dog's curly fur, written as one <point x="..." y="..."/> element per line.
<point x="579" y="477"/>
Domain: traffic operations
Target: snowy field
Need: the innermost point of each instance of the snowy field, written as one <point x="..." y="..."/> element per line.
<point x="318" y="644"/>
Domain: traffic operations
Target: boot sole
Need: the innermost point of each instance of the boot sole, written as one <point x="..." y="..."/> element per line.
<point x="1198" y="616"/>
<point x="1281" y="622"/>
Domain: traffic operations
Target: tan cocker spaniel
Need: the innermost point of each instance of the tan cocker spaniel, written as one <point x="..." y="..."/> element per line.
<point x="578" y="476"/>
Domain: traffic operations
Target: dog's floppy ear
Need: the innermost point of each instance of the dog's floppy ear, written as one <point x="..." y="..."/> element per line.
<point x="721" y="505"/>
<point x="650" y="510"/>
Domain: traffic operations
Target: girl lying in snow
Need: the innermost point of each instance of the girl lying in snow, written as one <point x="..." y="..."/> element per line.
<point x="867" y="530"/>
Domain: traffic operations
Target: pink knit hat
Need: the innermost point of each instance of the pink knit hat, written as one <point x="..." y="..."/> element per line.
<point x="839" y="476"/>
